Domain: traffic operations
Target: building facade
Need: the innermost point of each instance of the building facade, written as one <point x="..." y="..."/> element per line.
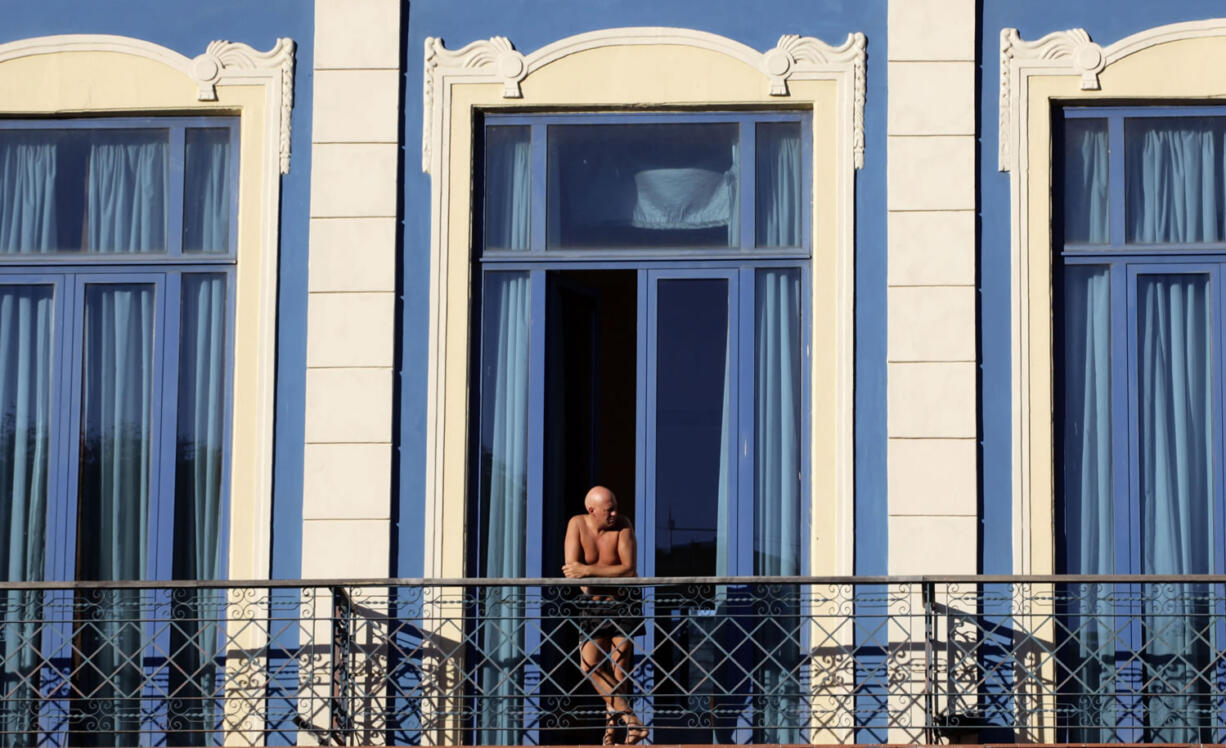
<point x="363" y="289"/>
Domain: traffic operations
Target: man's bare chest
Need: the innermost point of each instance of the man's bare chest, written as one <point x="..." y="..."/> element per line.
<point x="600" y="547"/>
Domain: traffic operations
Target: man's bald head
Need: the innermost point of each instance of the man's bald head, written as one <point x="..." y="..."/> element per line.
<point x="599" y="498"/>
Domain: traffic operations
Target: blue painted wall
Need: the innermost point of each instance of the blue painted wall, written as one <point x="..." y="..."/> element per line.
<point x="1107" y="21"/>
<point x="187" y="28"/>
<point x="531" y="24"/>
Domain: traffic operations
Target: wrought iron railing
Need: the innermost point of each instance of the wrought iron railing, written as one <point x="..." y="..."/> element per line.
<point x="714" y="660"/>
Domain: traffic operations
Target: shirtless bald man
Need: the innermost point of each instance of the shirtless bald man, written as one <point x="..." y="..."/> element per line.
<point x="601" y="543"/>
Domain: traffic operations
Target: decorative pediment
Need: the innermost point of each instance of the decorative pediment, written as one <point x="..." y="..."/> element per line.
<point x="1071" y="52"/>
<point x="222" y="63"/>
<point x="496" y="60"/>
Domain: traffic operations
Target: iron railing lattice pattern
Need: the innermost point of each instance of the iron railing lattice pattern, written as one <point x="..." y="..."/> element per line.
<point x="711" y="660"/>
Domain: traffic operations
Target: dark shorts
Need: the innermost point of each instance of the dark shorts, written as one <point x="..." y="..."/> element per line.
<point x="609" y="616"/>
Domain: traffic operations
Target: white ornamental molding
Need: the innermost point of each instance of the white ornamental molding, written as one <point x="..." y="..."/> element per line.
<point x="225" y="62"/>
<point x="496" y="60"/>
<point x="222" y="63"/>
<point x="1070" y="52"/>
<point x="1059" y="53"/>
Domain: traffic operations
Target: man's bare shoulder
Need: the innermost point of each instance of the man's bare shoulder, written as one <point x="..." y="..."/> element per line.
<point x="577" y="522"/>
<point x="624" y="525"/>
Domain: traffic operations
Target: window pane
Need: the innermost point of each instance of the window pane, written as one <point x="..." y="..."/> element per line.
<point x="82" y="190"/>
<point x="1175" y="422"/>
<point x="695" y="491"/>
<point x="207" y="190"/>
<point x="126" y="191"/>
<point x="26" y="391"/>
<point x="26" y="384"/>
<point x="198" y="525"/>
<point x="777" y="182"/>
<point x="505" y="332"/>
<point x="116" y="429"/>
<point x="1087" y="485"/>
<point x="201" y="424"/>
<point x="668" y="185"/>
<point x="1086" y="181"/>
<point x="778" y="412"/>
<point x="1088" y="499"/>
<point x="1175" y="188"/>
<point x="29" y="211"/>
<point x="1175" y="441"/>
<point x="508" y="187"/>
<point x="777" y="422"/>
<point x="113" y="496"/>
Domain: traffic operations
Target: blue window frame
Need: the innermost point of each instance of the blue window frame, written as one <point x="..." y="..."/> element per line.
<point x="531" y="273"/>
<point x="117" y="258"/>
<point x="125" y="231"/>
<point x="642" y="293"/>
<point x="1141" y="248"/>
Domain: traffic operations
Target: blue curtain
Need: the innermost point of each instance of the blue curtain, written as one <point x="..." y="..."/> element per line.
<point x="1088" y="500"/>
<point x="1086" y="184"/>
<point x="778" y="185"/>
<point x="777" y="496"/>
<point x="1176" y="183"/>
<point x="27" y="192"/>
<point x="504" y="483"/>
<point x="206" y="190"/>
<point x="113" y="504"/>
<point x="26" y="382"/>
<point x="198" y="526"/>
<point x="1175" y="379"/>
<point x="508" y="187"/>
<point x="126" y="192"/>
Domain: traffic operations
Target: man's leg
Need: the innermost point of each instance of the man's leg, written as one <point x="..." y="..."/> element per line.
<point x="593" y="655"/>
<point x="622" y="656"/>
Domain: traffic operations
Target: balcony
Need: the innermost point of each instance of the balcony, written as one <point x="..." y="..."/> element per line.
<point x="715" y="660"/>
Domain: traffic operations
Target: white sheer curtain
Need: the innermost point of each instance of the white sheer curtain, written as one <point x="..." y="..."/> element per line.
<point x="778" y="185"/>
<point x="1176" y="187"/>
<point x="777" y="423"/>
<point x="777" y="495"/>
<point x="683" y="198"/>
<point x="688" y="198"/>
<point x="126" y="193"/>
<point x="27" y="192"/>
<point x="1176" y="193"/>
<point x="1175" y="378"/>
<point x="1088" y="499"/>
<point x="725" y="530"/>
<point x="644" y="185"/>
<point x="508" y="188"/>
<point x="26" y="378"/>
<point x="504" y="465"/>
<point x="1086" y="181"/>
